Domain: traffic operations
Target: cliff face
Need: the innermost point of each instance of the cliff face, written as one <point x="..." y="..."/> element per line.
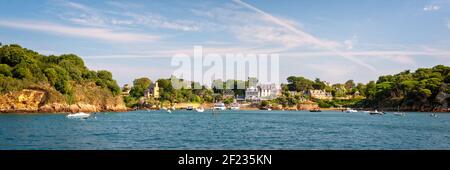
<point x="23" y="101"/>
<point x="87" y="99"/>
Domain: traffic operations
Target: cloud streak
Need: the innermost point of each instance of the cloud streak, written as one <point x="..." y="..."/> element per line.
<point x="85" y="32"/>
<point x="431" y="8"/>
<point x="305" y="36"/>
<point x="89" y="16"/>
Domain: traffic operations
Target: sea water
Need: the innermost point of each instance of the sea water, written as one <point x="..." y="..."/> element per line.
<point x="225" y="130"/>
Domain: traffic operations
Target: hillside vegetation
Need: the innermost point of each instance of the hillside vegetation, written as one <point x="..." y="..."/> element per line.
<point x="64" y="79"/>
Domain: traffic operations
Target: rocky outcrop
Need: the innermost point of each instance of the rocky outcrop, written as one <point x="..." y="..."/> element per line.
<point x="23" y="101"/>
<point x="307" y="105"/>
<point x="31" y="100"/>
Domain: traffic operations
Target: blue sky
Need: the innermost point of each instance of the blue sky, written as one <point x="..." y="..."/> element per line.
<point x="332" y="40"/>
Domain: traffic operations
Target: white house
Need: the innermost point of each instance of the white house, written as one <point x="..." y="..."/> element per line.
<point x="262" y="92"/>
<point x="252" y="93"/>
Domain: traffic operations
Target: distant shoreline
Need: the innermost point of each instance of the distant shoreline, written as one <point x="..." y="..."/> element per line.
<point x="243" y="109"/>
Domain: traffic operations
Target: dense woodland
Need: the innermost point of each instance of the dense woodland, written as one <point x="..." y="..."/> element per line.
<point x="22" y="68"/>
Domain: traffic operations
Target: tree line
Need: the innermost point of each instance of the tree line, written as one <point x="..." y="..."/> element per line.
<point x="21" y="68"/>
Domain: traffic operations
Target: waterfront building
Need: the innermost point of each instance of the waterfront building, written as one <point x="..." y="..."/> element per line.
<point x="268" y="91"/>
<point x="252" y="93"/>
<point x="152" y="91"/>
<point x="126" y="90"/>
<point x="262" y="92"/>
<point x="319" y="94"/>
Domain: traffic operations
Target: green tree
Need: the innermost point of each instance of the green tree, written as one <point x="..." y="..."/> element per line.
<point x="5" y="70"/>
<point x="349" y="85"/>
<point x="139" y="86"/>
<point x="319" y="85"/>
<point x="22" y="73"/>
<point x="299" y="84"/>
<point x="52" y="75"/>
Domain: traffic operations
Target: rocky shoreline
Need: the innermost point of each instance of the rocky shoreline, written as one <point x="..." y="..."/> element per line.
<point x="65" y="108"/>
<point x="36" y="101"/>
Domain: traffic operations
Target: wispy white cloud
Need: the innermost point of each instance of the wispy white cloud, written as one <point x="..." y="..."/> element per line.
<point x="300" y="34"/>
<point x="158" y="21"/>
<point x="124" y="5"/>
<point x="85" y="15"/>
<point x="306" y="37"/>
<point x="431" y="8"/>
<point x="75" y="5"/>
<point x="372" y="53"/>
<point x="85" y="32"/>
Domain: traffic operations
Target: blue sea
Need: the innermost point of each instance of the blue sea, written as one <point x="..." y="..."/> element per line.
<point x="225" y="130"/>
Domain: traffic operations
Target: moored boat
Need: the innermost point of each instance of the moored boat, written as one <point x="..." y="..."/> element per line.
<point x="200" y="109"/>
<point x="219" y="106"/>
<point x="376" y="112"/>
<point x="79" y="115"/>
<point x="350" y="111"/>
<point x="399" y="113"/>
<point x="235" y="106"/>
<point x="190" y="108"/>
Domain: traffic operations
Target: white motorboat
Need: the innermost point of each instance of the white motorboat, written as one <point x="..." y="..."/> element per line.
<point x="169" y="111"/>
<point x="79" y="115"/>
<point x="399" y="113"/>
<point x="219" y="106"/>
<point x="350" y="111"/>
<point x="200" y="109"/>
<point x="235" y="106"/>
<point x="376" y="112"/>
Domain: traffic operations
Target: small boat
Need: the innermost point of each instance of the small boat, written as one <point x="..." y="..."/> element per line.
<point x="433" y="115"/>
<point x="169" y="111"/>
<point x="350" y="111"/>
<point x="79" y="115"/>
<point x="219" y="106"/>
<point x="376" y="112"/>
<point x="190" y="108"/>
<point x="399" y="113"/>
<point x="235" y="106"/>
<point x="315" y="110"/>
<point x="200" y="109"/>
